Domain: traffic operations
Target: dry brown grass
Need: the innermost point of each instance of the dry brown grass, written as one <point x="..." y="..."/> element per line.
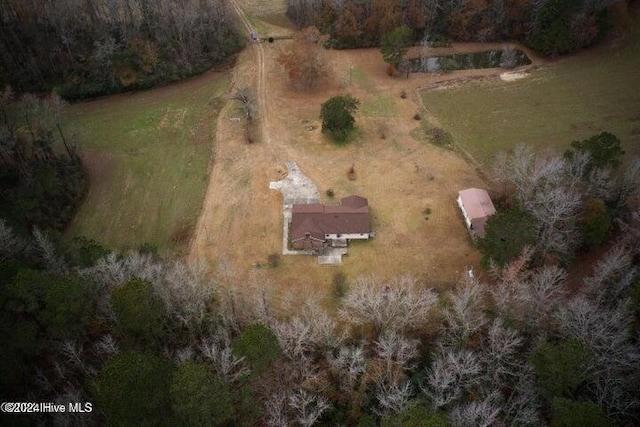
<point x="400" y="175"/>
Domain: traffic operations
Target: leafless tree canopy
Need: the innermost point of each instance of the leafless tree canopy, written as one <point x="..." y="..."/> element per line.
<point x="393" y="346"/>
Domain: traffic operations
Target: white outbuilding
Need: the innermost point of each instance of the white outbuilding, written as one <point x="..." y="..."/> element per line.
<point x="476" y="207"/>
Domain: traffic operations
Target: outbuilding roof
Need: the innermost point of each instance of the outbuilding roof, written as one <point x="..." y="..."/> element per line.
<point x="477" y="203"/>
<point x="477" y="208"/>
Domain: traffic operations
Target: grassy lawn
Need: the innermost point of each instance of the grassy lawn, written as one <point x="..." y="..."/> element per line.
<point x="147" y="154"/>
<point x="561" y="102"/>
<point x="379" y="105"/>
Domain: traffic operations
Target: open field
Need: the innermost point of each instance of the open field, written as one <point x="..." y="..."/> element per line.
<point x="268" y="18"/>
<point x="567" y="100"/>
<point x="147" y="155"/>
<point x="402" y="176"/>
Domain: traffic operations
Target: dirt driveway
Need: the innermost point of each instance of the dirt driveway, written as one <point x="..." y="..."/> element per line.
<point x="411" y="185"/>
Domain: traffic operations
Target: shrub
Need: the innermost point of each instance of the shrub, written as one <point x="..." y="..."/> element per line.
<point x="417" y="116"/>
<point x="337" y="116"/>
<point x="595" y="223"/>
<point x="382" y="131"/>
<point x="148" y="249"/>
<point x="199" y="397"/>
<point x="395" y="44"/>
<point x="330" y="193"/>
<point x="560" y="368"/>
<point x="426" y="212"/>
<point x="258" y="345"/>
<point x="139" y="312"/>
<point x="273" y="260"/>
<point x="133" y="388"/>
<point x="604" y="150"/>
<point x="505" y="235"/>
<point x="403" y="94"/>
<point x="339" y="284"/>
<point x="351" y="173"/>
<point x="439" y="136"/>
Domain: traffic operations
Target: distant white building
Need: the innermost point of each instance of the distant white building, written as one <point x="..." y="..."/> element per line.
<point x="476" y="207"/>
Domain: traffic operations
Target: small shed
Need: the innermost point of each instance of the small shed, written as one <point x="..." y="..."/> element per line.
<point x="476" y="207"/>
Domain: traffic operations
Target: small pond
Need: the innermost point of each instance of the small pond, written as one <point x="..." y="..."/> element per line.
<point x="470" y="61"/>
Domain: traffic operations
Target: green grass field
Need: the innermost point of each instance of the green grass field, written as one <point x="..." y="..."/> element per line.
<point x="147" y="154"/>
<point x="564" y="101"/>
<point x="379" y="105"/>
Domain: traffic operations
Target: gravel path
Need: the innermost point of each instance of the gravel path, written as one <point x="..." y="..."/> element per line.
<point x="296" y="188"/>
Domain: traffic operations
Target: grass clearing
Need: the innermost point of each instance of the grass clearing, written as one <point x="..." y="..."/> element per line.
<point x="561" y="102"/>
<point x="379" y="105"/>
<point x="148" y="155"/>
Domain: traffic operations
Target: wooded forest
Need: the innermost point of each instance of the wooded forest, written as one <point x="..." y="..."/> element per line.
<point x="81" y="49"/>
<point x="42" y="179"/>
<point x="153" y="341"/>
<point x="550" y="27"/>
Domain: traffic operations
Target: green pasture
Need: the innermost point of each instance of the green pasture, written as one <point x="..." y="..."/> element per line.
<point x="563" y="101"/>
<point x="379" y="105"/>
<point x="147" y="154"/>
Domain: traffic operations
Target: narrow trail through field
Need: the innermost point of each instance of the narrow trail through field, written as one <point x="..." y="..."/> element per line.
<point x="262" y="87"/>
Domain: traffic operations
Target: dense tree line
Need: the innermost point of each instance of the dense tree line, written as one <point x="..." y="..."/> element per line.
<point x="42" y="179"/>
<point x="548" y="26"/>
<point x="559" y="205"/>
<point x="88" y="48"/>
<point x="153" y="341"/>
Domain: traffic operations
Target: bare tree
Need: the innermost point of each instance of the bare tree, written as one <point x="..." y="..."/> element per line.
<point x="253" y="302"/>
<point x="11" y="245"/>
<point x="522" y="405"/>
<point x="247" y="99"/>
<point x="275" y="408"/>
<point x="115" y="270"/>
<point x="307" y="407"/>
<point x="106" y="346"/>
<point x="217" y="351"/>
<point x="451" y="374"/>
<point x="392" y="398"/>
<point x="53" y="262"/>
<point x="186" y="291"/>
<point x="347" y="365"/>
<point x="630" y="233"/>
<point x="463" y="316"/>
<point x="73" y="393"/>
<point x="628" y="186"/>
<point x="612" y="277"/>
<point x="475" y="414"/>
<point x="501" y="351"/>
<point x="397" y="354"/>
<point x="614" y="362"/>
<point x="396" y="305"/>
<point x="74" y="356"/>
<point x="310" y="331"/>
<point x="551" y="189"/>
<point x="528" y="296"/>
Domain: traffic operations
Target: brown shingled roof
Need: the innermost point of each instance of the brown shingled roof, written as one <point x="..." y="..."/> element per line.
<point x="315" y="220"/>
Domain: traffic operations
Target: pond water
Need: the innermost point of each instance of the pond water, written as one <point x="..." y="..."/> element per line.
<point x="470" y="61"/>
